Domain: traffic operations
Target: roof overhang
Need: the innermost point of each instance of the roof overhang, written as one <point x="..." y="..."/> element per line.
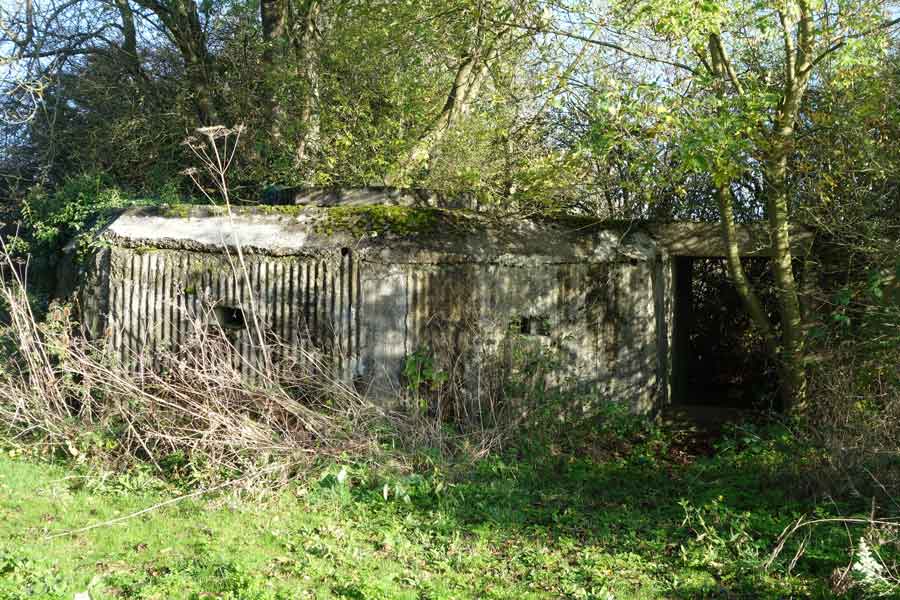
<point x="705" y="240"/>
<point x="456" y="235"/>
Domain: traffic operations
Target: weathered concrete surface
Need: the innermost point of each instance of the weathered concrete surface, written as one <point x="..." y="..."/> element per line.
<point x="154" y="299"/>
<point x="340" y="221"/>
<point x="278" y="235"/>
<point x="705" y="239"/>
<point x="523" y="303"/>
<point x="396" y="234"/>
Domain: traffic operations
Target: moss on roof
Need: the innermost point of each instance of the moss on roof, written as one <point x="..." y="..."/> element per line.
<point x="398" y="220"/>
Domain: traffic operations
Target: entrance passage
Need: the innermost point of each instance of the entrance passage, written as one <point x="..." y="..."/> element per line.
<point x="719" y="359"/>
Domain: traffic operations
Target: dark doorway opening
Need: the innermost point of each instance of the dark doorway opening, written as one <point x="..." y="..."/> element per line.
<point x="719" y="358"/>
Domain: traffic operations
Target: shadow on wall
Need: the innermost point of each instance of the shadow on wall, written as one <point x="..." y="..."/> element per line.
<point x="576" y="335"/>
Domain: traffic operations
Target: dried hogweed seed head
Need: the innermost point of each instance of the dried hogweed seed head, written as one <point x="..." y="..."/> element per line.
<point x="213" y="132"/>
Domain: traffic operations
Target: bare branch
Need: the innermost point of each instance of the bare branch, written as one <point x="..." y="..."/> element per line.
<point x="604" y="44"/>
<point x="726" y="64"/>
<point x="839" y="42"/>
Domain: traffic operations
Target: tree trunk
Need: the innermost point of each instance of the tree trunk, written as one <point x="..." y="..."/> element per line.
<point x="273" y="17"/>
<point x="290" y="42"/>
<point x="798" y="68"/>
<point x="307" y="60"/>
<point x="129" y="39"/>
<point x="454" y="106"/>
<point x="191" y="41"/>
<point x="182" y="23"/>
<point x="792" y="355"/>
<point x="467" y="82"/>
<point x="748" y="296"/>
<point x="197" y="66"/>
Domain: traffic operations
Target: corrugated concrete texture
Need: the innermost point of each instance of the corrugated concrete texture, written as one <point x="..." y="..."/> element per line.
<point x="575" y="306"/>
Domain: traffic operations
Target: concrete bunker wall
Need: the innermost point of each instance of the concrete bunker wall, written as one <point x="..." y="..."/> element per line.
<point x="155" y="299"/>
<point x="605" y="324"/>
<point x="601" y="327"/>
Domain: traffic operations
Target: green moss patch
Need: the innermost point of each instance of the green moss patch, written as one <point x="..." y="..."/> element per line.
<point x="175" y="211"/>
<point x="585" y="223"/>
<point x="398" y="220"/>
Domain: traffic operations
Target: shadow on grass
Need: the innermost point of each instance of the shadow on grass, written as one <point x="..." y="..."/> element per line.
<point x="692" y="526"/>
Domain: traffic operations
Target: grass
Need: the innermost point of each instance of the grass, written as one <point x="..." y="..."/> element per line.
<point x="658" y="517"/>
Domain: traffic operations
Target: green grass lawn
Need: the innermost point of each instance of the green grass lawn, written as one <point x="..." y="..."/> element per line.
<point x="655" y="521"/>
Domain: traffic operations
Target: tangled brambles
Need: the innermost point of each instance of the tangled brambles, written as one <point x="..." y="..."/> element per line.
<point x="194" y="411"/>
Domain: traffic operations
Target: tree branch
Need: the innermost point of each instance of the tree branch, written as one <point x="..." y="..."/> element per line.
<point x="805" y="40"/>
<point x="839" y="42"/>
<point x="790" y="67"/>
<point x="726" y="63"/>
<point x="603" y="44"/>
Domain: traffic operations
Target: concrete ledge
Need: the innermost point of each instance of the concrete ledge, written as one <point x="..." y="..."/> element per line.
<point x="396" y="235"/>
<point x="427" y="235"/>
<point x="705" y="239"/>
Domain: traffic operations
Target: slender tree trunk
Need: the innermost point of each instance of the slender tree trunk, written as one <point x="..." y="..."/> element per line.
<point x="307" y="53"/>
<point x="793" y="388"/>
<point x="129" y="38"/>
<point x="273" y="17"/>
<point x="191" y="41"/>
<point x="790" y="353"/>
<point x="747" y="294"/>
<point x="182" y="22"/>
<point x="291" y="43"/>
<point x="798" y="67"/>
<point x="454" y="106"/>
<point x="197" y="65"/>
<point x="725" y="199"/>
<point x="467" y="83"/>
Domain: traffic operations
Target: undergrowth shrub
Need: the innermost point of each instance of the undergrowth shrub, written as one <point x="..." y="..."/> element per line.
<point x="192" y="416"/>
<point x="854" y="397"/>
<point x="59" y="225"/>
<point x="72" y="211"/>
<point x="488" y="394"/>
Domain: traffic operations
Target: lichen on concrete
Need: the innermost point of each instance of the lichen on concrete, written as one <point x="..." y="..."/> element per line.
<point x="401" y="221"/>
